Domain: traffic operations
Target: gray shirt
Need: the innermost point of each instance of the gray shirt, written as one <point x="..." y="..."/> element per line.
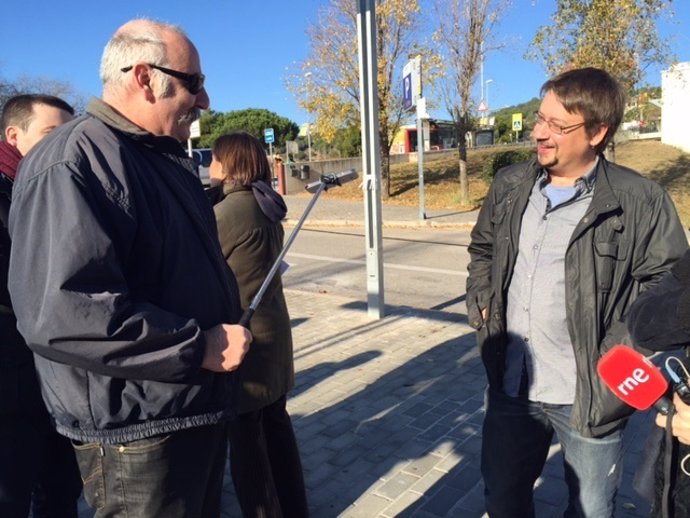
<point x="540" y="361"/>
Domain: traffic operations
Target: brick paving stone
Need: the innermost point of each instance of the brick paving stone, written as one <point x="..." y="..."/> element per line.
<point x="429" y="483"/>
<point x="367" y="507"/>
<point x="397" y="485"/>
<point x="405" y="505"/>
<point x="421" y="466"/>
<point x="441" y="502"/>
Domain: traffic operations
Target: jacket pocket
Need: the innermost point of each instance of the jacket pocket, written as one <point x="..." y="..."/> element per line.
<point x="607" y="254"/>
<point x="474" y="313"/>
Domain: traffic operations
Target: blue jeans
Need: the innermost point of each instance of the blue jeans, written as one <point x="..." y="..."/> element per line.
<point x="516" y="437"/>
<point x="177" y="475"/>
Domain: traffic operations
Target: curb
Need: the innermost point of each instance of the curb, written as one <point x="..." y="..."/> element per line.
<point x="466" y="225"/>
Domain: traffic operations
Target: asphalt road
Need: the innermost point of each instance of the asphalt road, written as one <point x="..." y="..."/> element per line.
<point x="424" y="268"/>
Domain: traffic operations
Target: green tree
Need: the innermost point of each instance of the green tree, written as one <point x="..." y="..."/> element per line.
<point x="464" y="35"/>
<point x="252" y="120"/>
<point x="327" y="82"/>
<point x="348" y="141"/>
<point x="618" y="36"/>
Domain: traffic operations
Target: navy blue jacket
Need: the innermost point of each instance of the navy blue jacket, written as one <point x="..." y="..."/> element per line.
<point x="115" y="272"/>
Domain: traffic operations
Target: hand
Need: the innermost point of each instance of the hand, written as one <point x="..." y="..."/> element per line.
<point x="680" y="422"/>
<point x="226" y="346"/>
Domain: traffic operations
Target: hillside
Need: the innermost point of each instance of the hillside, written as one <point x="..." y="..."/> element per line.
<point x="666" y="165"/>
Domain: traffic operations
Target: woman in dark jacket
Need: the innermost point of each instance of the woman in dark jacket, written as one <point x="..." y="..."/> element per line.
<point x="264" y="458"/>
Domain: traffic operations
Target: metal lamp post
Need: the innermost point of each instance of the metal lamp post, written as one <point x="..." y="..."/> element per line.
<point x="308" y="78"/>
<point x="488" y="81"/>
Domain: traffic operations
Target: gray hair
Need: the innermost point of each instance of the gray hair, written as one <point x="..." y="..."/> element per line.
<point x="138" y="41"/>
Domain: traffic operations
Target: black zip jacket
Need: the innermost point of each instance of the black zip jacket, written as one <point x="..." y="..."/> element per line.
<point x="659" y="320"/>
<point x="628" y="238"/>
<point x="115" y="272"/>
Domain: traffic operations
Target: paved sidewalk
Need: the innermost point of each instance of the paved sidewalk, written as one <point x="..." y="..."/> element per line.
<point x="388" y="414"/>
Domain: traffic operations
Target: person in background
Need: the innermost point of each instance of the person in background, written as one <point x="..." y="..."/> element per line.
<point x="264" y="458"/>
<point x="38" y="469"/>
<point x="659" y="320"/>
<point x="563" y="245"/>
<point x="121" y="290"/>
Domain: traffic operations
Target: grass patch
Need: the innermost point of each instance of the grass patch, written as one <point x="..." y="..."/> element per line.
<point x="664" y="164"/>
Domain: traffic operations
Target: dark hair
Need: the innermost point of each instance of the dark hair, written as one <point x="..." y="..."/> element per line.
<point x="19" y="110"/>
<point x="242" y="158"/>
<point x="594" y="94"/>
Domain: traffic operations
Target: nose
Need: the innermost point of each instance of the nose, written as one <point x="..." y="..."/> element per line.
<point x="540" y="132"/>
<point x="202" y="100"/>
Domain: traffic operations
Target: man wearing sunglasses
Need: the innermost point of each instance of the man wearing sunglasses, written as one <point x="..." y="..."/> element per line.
<point x="562" y="247"/>
<point x="121" y="290"/>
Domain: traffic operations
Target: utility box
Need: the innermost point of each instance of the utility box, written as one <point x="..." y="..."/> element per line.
<point x="484" y="138"/>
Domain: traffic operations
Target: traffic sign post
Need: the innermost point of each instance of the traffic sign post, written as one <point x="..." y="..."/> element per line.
<point x="412" y="98"/>
<point x="269" y="138"/>
<point x="517" y="124"/>
<point x="194" y="132"/>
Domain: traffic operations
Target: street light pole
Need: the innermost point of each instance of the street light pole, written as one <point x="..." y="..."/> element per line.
<point x="308" y="77"/>
<point x="488" y="106"/>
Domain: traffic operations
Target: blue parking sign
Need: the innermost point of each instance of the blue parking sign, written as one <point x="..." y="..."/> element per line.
<point x="407" y="92"/>
<point x="269" y="136"/>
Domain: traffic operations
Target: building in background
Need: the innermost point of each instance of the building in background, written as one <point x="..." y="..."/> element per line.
<point x="675" y="110"/>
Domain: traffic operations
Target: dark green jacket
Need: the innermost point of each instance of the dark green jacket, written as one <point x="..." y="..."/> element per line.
<point x="251" y="242"/>
<point x="628" y="238"/>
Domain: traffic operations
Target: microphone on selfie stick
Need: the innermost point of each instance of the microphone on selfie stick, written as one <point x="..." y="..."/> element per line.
<point x="634" y="379"/>
<point x="316" y="188"/>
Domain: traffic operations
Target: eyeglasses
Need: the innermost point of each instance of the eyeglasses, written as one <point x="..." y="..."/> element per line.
<point x="194" y="83"/>
<point x="554" y="127"/>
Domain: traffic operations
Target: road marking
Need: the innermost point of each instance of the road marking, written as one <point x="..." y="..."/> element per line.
<point x="457" y="273"/>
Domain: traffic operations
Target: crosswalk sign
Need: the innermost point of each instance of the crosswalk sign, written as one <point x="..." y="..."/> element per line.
<point x="517" y="121"/>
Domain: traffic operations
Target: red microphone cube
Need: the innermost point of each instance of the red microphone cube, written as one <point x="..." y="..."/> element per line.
<point x="632" y="377"/>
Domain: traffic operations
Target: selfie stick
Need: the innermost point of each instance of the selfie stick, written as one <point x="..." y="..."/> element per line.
<point x="325" y="183"/>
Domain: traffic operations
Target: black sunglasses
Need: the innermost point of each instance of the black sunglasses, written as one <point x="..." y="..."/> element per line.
<point x="194" y="83"/>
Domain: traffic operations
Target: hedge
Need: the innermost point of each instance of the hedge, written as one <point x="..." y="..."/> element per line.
<point x="504" y="158"/>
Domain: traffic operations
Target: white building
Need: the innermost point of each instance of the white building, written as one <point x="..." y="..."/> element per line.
<point x="675" y="110"/>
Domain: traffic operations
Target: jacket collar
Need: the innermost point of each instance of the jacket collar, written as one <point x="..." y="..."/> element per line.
<point x="111" y="117"/>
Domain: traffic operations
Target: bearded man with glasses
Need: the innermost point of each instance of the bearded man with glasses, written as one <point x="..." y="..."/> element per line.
<point x="563" y="245"/>
<point x="121" y="290"/>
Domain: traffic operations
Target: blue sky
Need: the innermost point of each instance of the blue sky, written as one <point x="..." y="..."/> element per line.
<point x="246" y="46"/>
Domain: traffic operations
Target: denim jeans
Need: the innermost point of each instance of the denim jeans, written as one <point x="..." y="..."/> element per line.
<point x="177" y="475"/>
<point x="516" y="437"/>
<point x="265" y="464"/>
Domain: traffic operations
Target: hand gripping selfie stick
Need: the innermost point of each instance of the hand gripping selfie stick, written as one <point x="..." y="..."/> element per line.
<point x="325" y="183"/>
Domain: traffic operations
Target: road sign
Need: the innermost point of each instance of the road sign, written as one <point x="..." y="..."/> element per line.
<point x="195" y="129"/>
<point x="517" y="121"/>
<point x="482" y="106"/>
<point x="412" y="83"/>
<point x="408" y="102"/>
<point x="269" y="136"/>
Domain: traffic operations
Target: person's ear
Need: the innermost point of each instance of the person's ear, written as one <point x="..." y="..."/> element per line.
<point x="144" y="81"/>
<point x="596" y="138"/>
<point x="11" y="135"/>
